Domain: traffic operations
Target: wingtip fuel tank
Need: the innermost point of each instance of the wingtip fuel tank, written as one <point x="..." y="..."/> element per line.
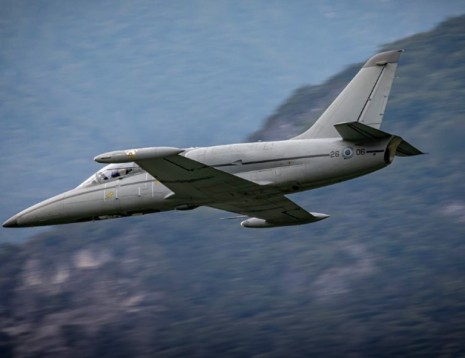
<point x="130" y="155"/>
<point x="257" y="223"/>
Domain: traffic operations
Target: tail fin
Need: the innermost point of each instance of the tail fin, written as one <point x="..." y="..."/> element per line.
<point x="363" y="100"/>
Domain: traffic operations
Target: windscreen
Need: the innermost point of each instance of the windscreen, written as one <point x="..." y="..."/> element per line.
<point x="111" y="172"/>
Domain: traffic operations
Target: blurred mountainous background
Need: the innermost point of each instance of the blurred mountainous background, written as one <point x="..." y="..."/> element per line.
<point x="382" y="277"/>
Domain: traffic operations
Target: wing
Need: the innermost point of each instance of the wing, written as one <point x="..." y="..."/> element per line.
<point x="270" y="212"/>
<point x="204" y="185"/>
<point x="190" y="179"/>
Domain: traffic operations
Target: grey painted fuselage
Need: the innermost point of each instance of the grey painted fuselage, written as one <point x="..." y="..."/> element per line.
<point x="290" y="166"/>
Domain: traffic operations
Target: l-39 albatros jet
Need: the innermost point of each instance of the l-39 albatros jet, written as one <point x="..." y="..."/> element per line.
<point x="250" y="179"/>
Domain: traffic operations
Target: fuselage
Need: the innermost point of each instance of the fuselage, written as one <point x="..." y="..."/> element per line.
<point x="289" y="166"/>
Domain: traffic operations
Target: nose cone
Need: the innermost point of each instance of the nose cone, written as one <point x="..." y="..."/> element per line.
<point x="44" y="213"/>
<point x="11" y="222"/>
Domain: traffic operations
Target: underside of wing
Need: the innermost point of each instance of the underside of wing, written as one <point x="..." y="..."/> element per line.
<point x="270" y="212"/>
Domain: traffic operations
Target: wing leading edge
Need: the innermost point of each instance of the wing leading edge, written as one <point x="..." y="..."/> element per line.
<point x="200" y="184"/>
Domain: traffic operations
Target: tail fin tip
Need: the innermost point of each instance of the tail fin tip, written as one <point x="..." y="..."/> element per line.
<point x="384" y="58"/>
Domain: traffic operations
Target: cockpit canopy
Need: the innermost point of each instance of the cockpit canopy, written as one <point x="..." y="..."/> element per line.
<point x="110" y="173"/>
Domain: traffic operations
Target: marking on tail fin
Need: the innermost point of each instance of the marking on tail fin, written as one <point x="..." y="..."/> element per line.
<point x="370" y="96"/>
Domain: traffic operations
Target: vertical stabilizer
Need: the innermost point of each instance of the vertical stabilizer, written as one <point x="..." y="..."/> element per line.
<point x="362" y="100"/>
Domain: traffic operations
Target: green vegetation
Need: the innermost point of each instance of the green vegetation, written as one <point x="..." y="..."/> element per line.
<point x="383" y="277"/>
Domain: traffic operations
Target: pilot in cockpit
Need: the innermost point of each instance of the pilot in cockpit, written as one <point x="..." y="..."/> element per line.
<point x="111" y="172"/>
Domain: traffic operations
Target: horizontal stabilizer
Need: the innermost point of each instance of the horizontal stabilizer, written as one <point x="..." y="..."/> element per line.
<point x="358" y="132"/>
<point x="405" y="149"/>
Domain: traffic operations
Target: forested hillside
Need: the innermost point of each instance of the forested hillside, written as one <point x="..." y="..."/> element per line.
<point x="383" y="277"/>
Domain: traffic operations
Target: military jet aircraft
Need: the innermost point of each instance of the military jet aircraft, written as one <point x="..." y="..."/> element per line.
<point x="249" y="179"/>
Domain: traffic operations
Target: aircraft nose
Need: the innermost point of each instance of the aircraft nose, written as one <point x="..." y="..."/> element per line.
<point x="11" y="222"/>
<point x="46" y="212"/>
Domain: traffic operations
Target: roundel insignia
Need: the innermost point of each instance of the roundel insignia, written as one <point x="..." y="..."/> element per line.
<point x="347" y="153"/>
